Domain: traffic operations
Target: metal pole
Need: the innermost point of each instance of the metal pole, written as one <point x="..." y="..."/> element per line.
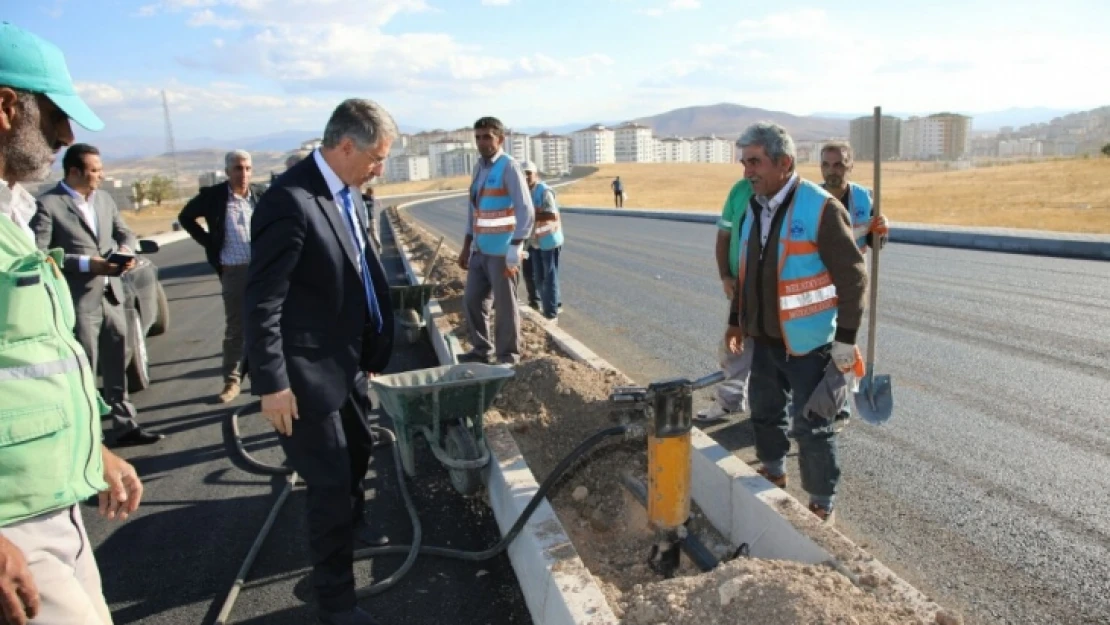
<point x="876" y="205"/>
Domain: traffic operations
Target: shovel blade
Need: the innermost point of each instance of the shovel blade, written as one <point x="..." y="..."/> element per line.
<point x="874" y="400"/>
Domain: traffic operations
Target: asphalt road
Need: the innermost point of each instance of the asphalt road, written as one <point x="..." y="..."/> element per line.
<point x="989" y="489"/>
<point x="174" y="562"/>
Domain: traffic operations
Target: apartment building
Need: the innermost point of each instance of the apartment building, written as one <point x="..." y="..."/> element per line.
<point x="1027" y="147"/>
<point x="593" y="145"/>
<point x="460" y="162"/>
<point x="435" y="152"/>
<point x="407" y="168"/>
<point x="551" y="153"/>
<point x="418" y="143"/>
<point x="942" y="136"/>
<point x="861" y="135"/>
<point x="634" y="143"/>
<point x="711" y="149"/>
<point x="518" y="145"/>
<point x="675" y="150"/>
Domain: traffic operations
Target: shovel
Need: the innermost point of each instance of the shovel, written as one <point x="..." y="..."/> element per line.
<point x="875" y="398"/>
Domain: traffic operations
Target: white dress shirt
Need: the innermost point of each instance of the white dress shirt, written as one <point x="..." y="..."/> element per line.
<point x="18" y="205"/>
<point x="335" y="185"/>
<point x="771" y="206"/>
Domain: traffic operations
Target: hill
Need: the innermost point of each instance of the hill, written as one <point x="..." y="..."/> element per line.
<point x="729" y="120"/>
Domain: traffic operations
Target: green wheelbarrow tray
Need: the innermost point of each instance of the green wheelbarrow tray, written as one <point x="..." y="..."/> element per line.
<point x="446" y="405"/>
<point x="408" y="302"/>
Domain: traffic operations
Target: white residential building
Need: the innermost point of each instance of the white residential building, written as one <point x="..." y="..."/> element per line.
<point x="210" y="178"/>
<point x="945" y="136"/>
<point x="711" y="149"/>
<point x="460" y="162"/>
<point x="677" y="150"/>
<point x="436" y="150"/>
<point x="551" y="153"/>
<point x="407" y="168"/>
<point x="420" y="142"/>
<point x="634" y="143"/>
<point x="1027" y="147"/>
<point x="596" y="144"/>
<point x="518" y="145"/>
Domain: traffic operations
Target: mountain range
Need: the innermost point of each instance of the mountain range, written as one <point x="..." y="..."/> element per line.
<point x="724" y="120"/>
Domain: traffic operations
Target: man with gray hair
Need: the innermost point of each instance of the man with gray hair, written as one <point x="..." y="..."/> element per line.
<point x="318" y="322"/>
<point x="227" y="209"/>
<point x="799" y="297"/>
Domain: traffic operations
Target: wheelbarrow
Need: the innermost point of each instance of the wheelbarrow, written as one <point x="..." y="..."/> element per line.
<point x="408" y="304"/>
<point x="446" y="406"/>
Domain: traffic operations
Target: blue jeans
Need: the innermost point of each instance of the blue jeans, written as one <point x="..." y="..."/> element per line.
<point x="778" y="379"/>
<point x="545" y="268"/>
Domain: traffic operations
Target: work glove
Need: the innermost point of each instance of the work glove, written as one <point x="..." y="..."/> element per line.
<point x="844" y="356"/>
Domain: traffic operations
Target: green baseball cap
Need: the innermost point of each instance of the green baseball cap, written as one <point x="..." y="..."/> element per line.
<point x="30" y="63"/>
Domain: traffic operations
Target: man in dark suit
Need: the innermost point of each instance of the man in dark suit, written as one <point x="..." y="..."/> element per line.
<point x="226" y="209"/>
<point x="318" y="321"/>
<point x="86" y="225"/>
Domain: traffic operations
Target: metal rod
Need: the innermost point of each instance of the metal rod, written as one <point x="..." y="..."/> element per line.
<point x="713" y="378"/>
<point x="876" y="204"/>
<point x="702" y="557"/>
<point x="240" y="578"/>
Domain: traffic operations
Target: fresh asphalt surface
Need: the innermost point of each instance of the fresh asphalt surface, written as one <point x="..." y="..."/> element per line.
<point x="988" y="490"/>
<point x="174" y="562"/>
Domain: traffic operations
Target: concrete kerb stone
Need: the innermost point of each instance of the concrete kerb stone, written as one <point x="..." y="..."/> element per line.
<point x="1009" y="240"/>
<point x="165" y="238"/>
<point x="773" y="523"/>
<point x="557" y="587"/>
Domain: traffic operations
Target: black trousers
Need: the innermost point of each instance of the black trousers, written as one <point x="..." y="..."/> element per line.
<point x="332" y="454"/>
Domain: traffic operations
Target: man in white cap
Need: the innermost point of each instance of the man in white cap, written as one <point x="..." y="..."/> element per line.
<point x="546" y="243"/>
<point x="51" y="458"/>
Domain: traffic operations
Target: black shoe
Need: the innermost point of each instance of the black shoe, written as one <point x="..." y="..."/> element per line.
<point x="138" y="436"/>
<point x="369" y="536"/>
<point x="472" y="357"/>
<point x="357" y="616"/>
<point x="535" y="305"/>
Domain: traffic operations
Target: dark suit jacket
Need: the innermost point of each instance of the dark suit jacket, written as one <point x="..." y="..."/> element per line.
<point x="306" y="319"/>
<point x="211" y="204"/>
<point x="58" y="223"/>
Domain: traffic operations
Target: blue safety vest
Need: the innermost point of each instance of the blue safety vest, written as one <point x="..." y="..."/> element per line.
<point x="549" y="227"/>
<point x="860" y="208"/>
<point x="494" y="217"/>
<point x="807" y="301"/>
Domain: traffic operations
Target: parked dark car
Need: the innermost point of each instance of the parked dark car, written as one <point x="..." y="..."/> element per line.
<point x="148" y="314"/>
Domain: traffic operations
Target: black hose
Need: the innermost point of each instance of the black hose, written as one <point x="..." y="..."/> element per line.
<point x="257" y="465"/>
<point x="417" y="530"/>
<point x="494" y="551"/>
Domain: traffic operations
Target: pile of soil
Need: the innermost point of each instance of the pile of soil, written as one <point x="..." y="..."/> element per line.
<point x="551" y="405"/>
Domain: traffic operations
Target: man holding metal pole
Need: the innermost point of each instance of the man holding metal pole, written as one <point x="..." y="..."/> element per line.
<point x="799" y="297"/>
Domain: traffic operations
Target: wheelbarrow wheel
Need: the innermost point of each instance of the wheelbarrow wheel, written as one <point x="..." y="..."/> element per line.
<point x="460" y="445"/>
<point x="410" y="321"/>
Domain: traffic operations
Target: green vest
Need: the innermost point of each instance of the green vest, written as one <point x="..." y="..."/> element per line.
<point x="50" y="452"/>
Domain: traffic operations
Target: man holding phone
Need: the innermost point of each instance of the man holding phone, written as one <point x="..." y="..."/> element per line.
<point x="98" y="248"/>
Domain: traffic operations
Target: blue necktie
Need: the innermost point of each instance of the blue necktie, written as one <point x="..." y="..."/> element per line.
<point x="367" y="281"/>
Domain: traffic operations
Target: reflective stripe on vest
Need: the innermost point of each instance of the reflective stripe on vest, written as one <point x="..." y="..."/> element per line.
<point x="494" y="215"/>
<point x="40" y="370"/>
<point x="807" y="300"/>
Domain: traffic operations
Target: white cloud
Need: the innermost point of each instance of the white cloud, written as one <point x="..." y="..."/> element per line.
<point x="496" y="3"/>
<point x="671" y="7"/>
<point x="129" y="99"/>
<point x="207" y="17"/>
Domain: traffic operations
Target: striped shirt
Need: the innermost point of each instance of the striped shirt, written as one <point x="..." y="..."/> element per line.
<point x="237" y="230"/>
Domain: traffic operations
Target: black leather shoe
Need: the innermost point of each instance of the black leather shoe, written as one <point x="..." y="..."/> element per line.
<point x="138" y="436"/>
<point x="357" y="616"/>
<point x="369" y="536"/>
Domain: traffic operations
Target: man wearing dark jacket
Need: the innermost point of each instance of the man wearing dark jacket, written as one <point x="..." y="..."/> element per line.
<point x="227" y="209"/>
<point x="799" y="297"/>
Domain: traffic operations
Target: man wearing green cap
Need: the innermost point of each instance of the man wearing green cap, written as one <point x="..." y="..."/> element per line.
<point x="51" y="457"/>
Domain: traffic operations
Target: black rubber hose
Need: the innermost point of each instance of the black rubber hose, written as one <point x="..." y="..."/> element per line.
<point x="417" y="530"/>
<point x="534" y="503"/>
<point x="257" y="465"/>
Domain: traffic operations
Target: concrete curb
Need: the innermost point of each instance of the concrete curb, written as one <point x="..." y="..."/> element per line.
<point x="165" y="238"/>
<point x="557" y="587"/>
<point x="1010" y="240"/>
<point x="772" y="522"/>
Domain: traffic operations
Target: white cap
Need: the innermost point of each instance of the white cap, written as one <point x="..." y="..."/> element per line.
<point x="529" y="166"/>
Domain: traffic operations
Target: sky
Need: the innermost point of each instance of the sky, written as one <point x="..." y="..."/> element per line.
<point x="241" y="68"/>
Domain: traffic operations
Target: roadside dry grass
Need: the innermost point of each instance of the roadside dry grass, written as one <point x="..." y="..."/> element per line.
<point x="1069" y="195"/>
<point x="423" y="186"/>
<point x="153" y="219"/>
